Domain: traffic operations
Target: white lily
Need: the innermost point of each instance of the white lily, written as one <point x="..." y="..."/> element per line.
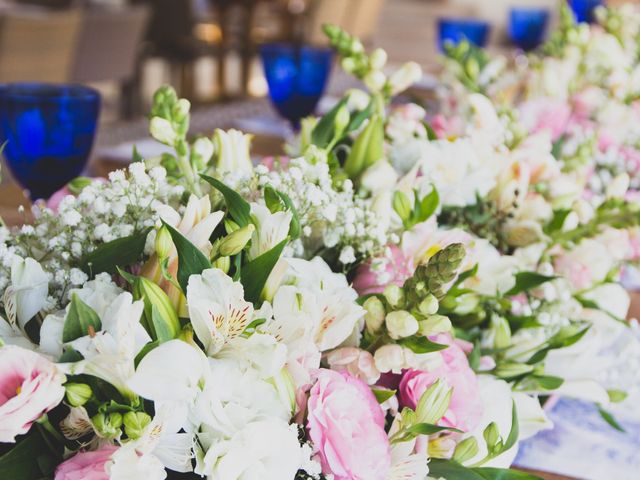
<point x="217" y="308"/>
<point x="271" y="229"/>
<point x="27" y="294"/>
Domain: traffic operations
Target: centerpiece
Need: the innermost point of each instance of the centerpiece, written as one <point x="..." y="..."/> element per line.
<point x="395" y="299"/>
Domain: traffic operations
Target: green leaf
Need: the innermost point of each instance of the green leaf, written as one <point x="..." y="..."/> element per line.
<point x="191" y="261"/>
<point x="254" y="274"/>
<point x="609" y="418"/>
<point x="526" y="281"/>
<point x="383" y="395"/>
<point x="556" y="223"/>
<point x="323" y="132"/>
<point x="427" y="206"/>
<point x="238" y="207"/>
<point x="294" y="227"/>
<point x="439" y="468"/>
<point x="541" y="382"/>
<point x="161" y="327"/>
<point x="80" y="320"/>
<point x="422" y="345"/>
<point x="117" y="253"/>
<point x="29" y="459"/>
<point x="515" y="429"/>
<point x="428" y="429"/>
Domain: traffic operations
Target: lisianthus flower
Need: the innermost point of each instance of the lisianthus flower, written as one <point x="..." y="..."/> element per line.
<point x="86" y="465"/>
<point x="30" y="385"/>
<point x="465" y="409"/>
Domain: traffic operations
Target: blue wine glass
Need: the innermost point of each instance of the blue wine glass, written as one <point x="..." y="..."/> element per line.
<point x="49" y="131"/>
<point x="297" y="77"/>
<point x="527" y="26"/>
<point x="584" y="9"/>
<point x="454" y="30"/>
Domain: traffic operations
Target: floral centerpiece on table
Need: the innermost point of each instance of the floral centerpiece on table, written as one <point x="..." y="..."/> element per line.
<point x="375" y="306"/>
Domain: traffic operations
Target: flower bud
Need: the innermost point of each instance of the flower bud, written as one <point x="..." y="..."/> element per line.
<point x="404" y="77"/>
<point x="161" y="318"/>
<point x="222" y="263"/>
<point x="402" y="205"/>
<point x="465" y="450"/>
<point x="78" y="394"/>
<point x="434" y="324"/>
<point x="491" y="435"/>
<point x="164" y="243"/>
<point x="375" y="314"/>
<point x="378" y="59"/>
<point x="135" y="423"/>
<point x="466" y="303"/>
<point x="342" y="119"/>
<point x="501" y="332"/>
<point x="107" y="426"/>
<point x="357" y="100"/>
<point x="428" y="306"/>
<point x="434" y="403"/>
<point x="162" y="130"/>
<point x="394" y="295"/>
<point x="375" y="80"/>
<point x="286" y="388"/>
<point x="401" y="324"/>
<point x="235" y="242"/>
<point x="619" y="186"/>
<point x="510" y="370"/>
<point x="348" y="64"/>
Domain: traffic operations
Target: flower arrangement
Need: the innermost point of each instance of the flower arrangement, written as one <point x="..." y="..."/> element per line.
<point x="391" y="301"/>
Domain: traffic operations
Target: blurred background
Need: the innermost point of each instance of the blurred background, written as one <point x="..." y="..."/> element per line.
<point x="255" y="65"/>
<point x="208" y="49"/>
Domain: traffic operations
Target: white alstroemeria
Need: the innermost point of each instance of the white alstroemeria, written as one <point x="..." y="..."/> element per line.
<point x="266" y="449"/>
<point x="27" y="294"/>
<point x="77" y="424"/>
<point x="406" y="463"/>
<point x="12" y="335"/>
<point x="340" y="315"/>
<point x="217" y="308"/>
<point x="485" y="119"/>
<point x="232" y="152"/>
<point x="271" y="229"/>
<point x="612" y="298"/>
<point x="295" y="317"/>
<point x="110" y="353"/>
<point x="158" y="447"/>
<point x="531" y="416"/>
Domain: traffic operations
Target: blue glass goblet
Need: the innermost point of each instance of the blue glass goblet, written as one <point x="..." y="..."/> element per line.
<point x="527" y="26"/>
<point x="584" y="9"/>
<point x="297" y="77"/>
<point x="49" y="131"/>
<point x="454" y="30"/>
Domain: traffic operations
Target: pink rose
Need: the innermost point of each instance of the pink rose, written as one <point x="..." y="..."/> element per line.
<point x="356" y="362"/>
<point x="465" y="409"/>
<point x="396" y="270"/>
<point x="86" y="465"/>
<point x="345" y="422"/>
<point x="30" y="385"/>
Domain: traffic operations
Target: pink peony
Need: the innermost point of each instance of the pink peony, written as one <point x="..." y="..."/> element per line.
<point x="465" y="409"/>
<point x="397" y="269"/>
<point x="344" y="422"/>
<point x="86" y="465"/>
<point x="30" y="385"/>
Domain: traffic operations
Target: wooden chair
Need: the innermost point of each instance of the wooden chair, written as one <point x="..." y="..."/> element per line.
<point x="109" y="48"/>
<point x="38" y="45"/>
